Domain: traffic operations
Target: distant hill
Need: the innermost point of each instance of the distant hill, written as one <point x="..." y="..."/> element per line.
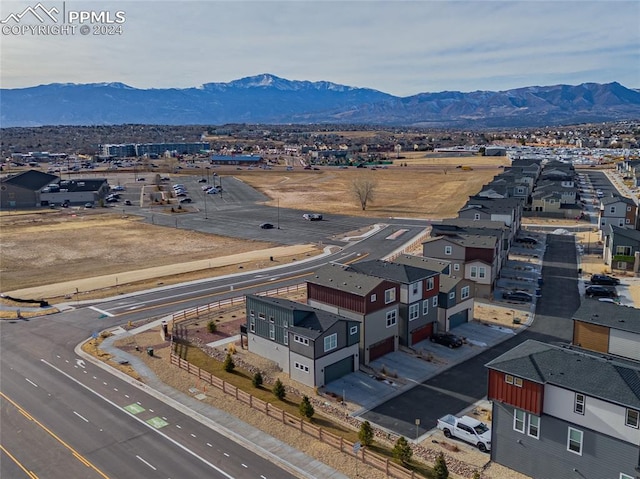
<point x="269" y="99"/>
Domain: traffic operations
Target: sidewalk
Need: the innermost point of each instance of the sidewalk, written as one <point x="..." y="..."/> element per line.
<point x="253" y="439"/>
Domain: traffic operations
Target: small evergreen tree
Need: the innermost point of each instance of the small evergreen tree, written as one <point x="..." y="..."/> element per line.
<point x="476" y="475"/>
<point x="402" y="450"/>
<point x="440" y="470"/>
<point x="306" y="408"/>
<point x="257" y="380"/>
<point x="212" y="327"/>
<point x="365" y="434"/>
<point x="278" y="390"/>
<point x="228" y="364"/>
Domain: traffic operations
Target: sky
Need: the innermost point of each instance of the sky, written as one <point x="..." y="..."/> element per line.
<point x="398" y="47"/>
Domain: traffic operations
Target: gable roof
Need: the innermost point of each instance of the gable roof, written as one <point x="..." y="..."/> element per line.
<point x="633" y="235"/>
<point x="433" y="264"/>
<point x="337" y="276"/>
<point x="398" y="272"/>
<point x="447" y="283"/>
<point x="610" y="315"/>
<point x="31" y="180"/>
<point x="467" y="222"/>
<point x="608" y="200"/>
<point x="587" y="373"/>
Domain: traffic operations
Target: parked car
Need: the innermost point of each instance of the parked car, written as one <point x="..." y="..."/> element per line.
<point x="597" y="291"/>
<point x="447" y="339"/>
<point x="185" y="200"/>
<point x="468" y="429"/>
<point x="181" y="193"/>
<point x="117" y="188"/>
<point x="142" y="179"/>
<point x="518" y="296"/>
<point x="202" y="180"/>
<point x="312" y="217"/>
<point x="88" y="205"/>
<point x="604" y="279"/>
<point x="266" y="226"/>
<point x="526" y="240"/>
<point x="127" y="202"/>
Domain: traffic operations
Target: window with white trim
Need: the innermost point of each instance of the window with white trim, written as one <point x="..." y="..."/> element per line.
<point x="373" y="298"/>
<point x="285" y="338"/>
<point x="252" y="312"/>
<point x="517" y="382"/>
<point x="261" y="316"/>
<point x="456" y="267"/>
<point x="448" y="250"/>
<point x="430" y="284"/>
<point x="482" y="272"/>
<point x="476" y="216"/>
<point x="392" y="318"/>
<point x="612" y="209"/>
<point x="330" y="342"/>
<point x="252" y="324"/>
<point x="625" y="476"/>
<point x="301" y="339"/>
<point x="414" y="311"/>
<point x="508" y="378"/>
<point x="353" y="330"/>
<point x="389" y="295"/>
<point x="534" y="426"/>
<point x="415" y="288"/>
<point x="574" y="441"/>
<point x="425" y="307"/>
<point x="628" y="208"/>
<point x="474" y="272"/>
<point x="518" y="420"/>
<point x="578" y="403"/>
<point x="301" y="367"/>
<point x="285" y="324"/>
<point x="464" y="292"/>
<point x="434" y="302"/>
<point x="272" y="331"/>
<point x="271" y="320"/>
<point x="452" y="295"/>
<point x="631" y="418"/>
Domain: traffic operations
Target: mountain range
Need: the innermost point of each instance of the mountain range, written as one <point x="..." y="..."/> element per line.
<point x="268" y="99"/>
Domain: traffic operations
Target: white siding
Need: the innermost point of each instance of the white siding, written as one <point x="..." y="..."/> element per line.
<point x="624" y="343"/>
<point x="599" y="415"/>
<point x="415" y="297"/>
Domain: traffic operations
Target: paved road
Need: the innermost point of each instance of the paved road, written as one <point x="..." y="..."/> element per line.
<point x="457" y="388"/>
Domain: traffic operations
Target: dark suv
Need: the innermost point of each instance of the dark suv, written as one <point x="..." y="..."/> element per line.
<point x="447" y="339"/>
<point x="604" y="279"/>
<point x="597" y="291"/>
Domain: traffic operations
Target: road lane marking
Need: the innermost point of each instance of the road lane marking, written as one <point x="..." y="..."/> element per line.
<point x="160" y="433"/>
<point x="31" y="382"/>
<point x="81" y="417"/>
<point x="145" y="462"/>
<point x="24" y="469"/>
<point x="53" y="435"/>
<point x="101" y="311"/>
<point x="80" y="363"/>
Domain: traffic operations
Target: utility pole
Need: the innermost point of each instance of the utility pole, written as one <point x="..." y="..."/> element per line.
<point x="278" y="213"/>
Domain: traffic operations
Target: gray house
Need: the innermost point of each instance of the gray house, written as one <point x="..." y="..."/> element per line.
<point x="23" y="190"/>
<point x="455" y="302"/>
<point x="560" y="412"/>
<point x="621" y="248"/>
<point x="313" y="346"/>
<point x="418" y="306"/>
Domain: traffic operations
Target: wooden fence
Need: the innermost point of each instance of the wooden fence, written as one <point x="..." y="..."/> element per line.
<point x="390" y="468"/>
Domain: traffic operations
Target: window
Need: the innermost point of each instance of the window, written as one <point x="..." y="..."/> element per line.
<point x="271" y="319"/>
<point x="452" y="295"/>
<point x="612" y="209"/>
<point x="464" y="292"/>
<point x="482" y="272"/>
<point x="272" y="331"/>
<point x="574" y="441"/>
<point x="390" y="296"/>
<point x="415" y="288"/>
<point x="456" y="267"/>
<point x="631" y="418"/>
<point x="517" y="382"/>
<point x="353" y="330"/>
<point x="373" y="298"/>
<point x="301" y="340"/>
<point x="261" y="316"/>
<point x="285" y="324"/>
<point x="430" y="284"/>
<point x="625" y="476"/>
<point x="627" y="221"/>
<point x="301" y="367"/>
<point x="578" y="404"/>
<point x="434" y="302"/>
<point x="448" y="250"/>
<point x="534" y="426"/>
<point x="508" y="378"/>
<point x="425" y="307"/>
<point x="474" y="271"/>
<point x="623" y="250"/>
<point x="476" y="216"/>
<point x="392" y="316"/>
<point x="331" y="342"/>
<point x="628" y="208"/>
<point x="518" y="420"/>
<point x="252" y="324"/>
<point x="285" y="338"/>
<point x="414" y="311"/>
<point x="252" y="313"/>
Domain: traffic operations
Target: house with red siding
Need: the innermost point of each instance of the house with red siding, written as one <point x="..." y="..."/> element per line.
<point x="562" y="412"/>
<point x="373" y="302"/>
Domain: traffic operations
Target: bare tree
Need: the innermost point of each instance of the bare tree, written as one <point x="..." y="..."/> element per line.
<point x="363" y="190"/>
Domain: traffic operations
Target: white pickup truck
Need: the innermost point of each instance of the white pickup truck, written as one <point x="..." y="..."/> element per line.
<point x="468" y="429"/>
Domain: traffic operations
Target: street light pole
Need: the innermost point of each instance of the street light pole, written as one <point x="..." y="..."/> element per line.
<point x="278" y="213"/>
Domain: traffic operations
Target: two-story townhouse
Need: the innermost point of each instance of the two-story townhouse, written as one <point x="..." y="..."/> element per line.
<point x="622" y="248"/>
<point x="418" y="306"/>
<point x="313" y="346"/>
<point x="507" y="210"/>
<point x="559" y="412"/>
<point x="474" y="257"/>
<point x="618" y="211"/>
<point x="455" y="302"/>
<point x="372" y="301"/>
<point x="607" y="328"/>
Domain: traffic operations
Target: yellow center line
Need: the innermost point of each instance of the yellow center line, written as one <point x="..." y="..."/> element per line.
<point x="26" y="471"/>
<point x="75" y="453"/>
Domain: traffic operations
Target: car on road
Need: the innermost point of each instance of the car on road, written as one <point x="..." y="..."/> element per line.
<point x="447" y="339"/>
<point x="526" y="240"/>
<point x="141" y="179"/>
<point x="521" y="296"/>
<point x="312" y="217"/>
<point x="185" y="200"/>
<point x="604" y="279"/>
<point x="127" y="202"/>
<point x="117" y="188"/>
<point x="266" y="226"/>
<point x="598" y="291"/>
<point x="202" y="180"/>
